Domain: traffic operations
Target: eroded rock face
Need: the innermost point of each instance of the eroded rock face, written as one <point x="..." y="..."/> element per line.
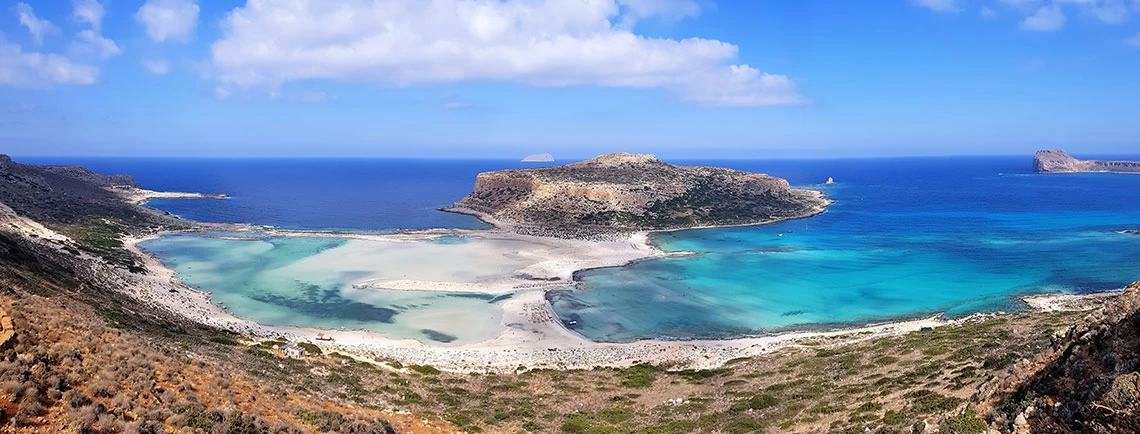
<point x="617" y="193"/>
<point x="1057" y="161"/>
<point x="1087" y="382"/>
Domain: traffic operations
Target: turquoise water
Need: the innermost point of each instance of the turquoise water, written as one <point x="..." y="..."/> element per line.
<point x="900" y="243"/>
<point x="908" y="237"/>
<point x="267" y="281"/>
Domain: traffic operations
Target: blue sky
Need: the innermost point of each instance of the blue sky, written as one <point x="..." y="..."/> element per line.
<point x="487" y="78"/>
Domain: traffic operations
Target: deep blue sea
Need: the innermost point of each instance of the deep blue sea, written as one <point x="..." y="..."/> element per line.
<point x="907" y="237"/>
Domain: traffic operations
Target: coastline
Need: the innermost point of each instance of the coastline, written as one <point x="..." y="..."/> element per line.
<point x="532" y="336"/>
<point x="140" y="196"/>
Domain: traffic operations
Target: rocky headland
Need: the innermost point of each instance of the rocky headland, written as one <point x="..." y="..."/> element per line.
<point x="623" y="193"/>
<point x="1058" y="161"/>
<point x="109" y="340"/>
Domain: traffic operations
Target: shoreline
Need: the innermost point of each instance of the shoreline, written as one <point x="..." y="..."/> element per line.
<point x="532" y="335"/>
<point x="140" y="196"/>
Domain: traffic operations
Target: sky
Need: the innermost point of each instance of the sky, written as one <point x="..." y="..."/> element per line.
<point x="575" y="78"/>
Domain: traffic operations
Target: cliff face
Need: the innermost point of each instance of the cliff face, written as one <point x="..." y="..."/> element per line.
<point x="628" y="192"/>
<point x="1057" y="161"/>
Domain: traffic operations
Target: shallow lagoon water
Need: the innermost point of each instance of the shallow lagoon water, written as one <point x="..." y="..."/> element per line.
<point x="307" y="282"/>
<point x="908" y="237"/>
<point x="901" y="242"/>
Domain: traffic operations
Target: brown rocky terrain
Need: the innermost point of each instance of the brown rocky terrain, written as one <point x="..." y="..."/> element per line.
<point x="620" y="193"/>
<point x="1087" y="381"/>
<point x="84" y="358"/>
<point x="1057" y="161"/>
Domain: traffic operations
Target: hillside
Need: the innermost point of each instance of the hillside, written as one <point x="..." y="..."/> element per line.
<point x="84" y="357"/>
<point x="617" y="193"/>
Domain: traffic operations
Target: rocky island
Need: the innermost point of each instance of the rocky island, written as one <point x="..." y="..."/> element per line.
<point x="93" y="346"/>
<point x="1058" y="161"/>
<point x="623" y="193"/>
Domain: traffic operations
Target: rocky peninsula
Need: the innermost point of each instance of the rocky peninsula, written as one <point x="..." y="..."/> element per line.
<point x="1058" y="161"/>
<point x="617" y="194"/>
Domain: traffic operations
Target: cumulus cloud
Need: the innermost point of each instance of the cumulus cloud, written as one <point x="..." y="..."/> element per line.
<point x="1047" y="15"/>
<point x="90" y="12"/>
<point x="90" y="43"/>
<point x="1046" y="19"/>
<point x="938" y="5"/>
<point x="36" y="26"/>
<point x="156" y="66"/>
<point x="169" y="20"/>
<point x="1133" y="41"/>
<point x="538" y="43"/>
<point x="36" y="70"/>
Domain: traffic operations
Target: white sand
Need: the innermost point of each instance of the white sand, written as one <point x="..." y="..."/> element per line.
<point x="489" y="262"/>
<point x="1068" y="302"/>
<point x="140" y="196"/>
<point x="531" y="335"/>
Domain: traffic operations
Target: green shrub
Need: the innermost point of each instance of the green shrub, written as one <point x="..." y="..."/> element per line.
<point x="965" y="423"/>
<point x="639" y="376"/>
<point x="756" y="402"/>
<point x="424" y="369"/>
<point x="310" y="348"/>
<point x="224" y="340"/>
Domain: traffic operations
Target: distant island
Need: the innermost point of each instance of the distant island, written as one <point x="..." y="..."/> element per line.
<point x="538" y="158"/>
<point x="623" y="193"/>
<point x="1057" y="161"/>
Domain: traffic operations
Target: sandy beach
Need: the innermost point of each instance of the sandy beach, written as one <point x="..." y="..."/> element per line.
<point x="494" y="262"/>
<point x="531" y="335"/>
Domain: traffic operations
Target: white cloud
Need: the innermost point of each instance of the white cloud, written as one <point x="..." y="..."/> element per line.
<point x="156" y="66"/>
<point x="23" y="69"/>
<point x="169" y="20"/>
<point x="1046" y="19"/>
<point x="1133" y="41"/>
<point x="310" y="96"/>
<point x="90" y="12"/>
<point x="1046" y="16"/>
<point x="1109" y="11"/>
<point x="634" y="10"/>
<point x="988" y="13"/>
<point x="455" y="105"/>
<point x="90" y="43"/>
<point x="534" y="42"/>
<point x="36" y="26"/>
<point x="938" y="5"/>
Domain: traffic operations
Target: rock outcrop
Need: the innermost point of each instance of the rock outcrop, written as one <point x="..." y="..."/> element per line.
<point x="71" y="195"/>
<point x="1057" y="161"/>
<point x="1089" y="381"/>
<point x="621" y="193"/>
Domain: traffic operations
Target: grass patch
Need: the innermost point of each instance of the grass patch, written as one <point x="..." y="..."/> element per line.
<point x="639" y="376"/>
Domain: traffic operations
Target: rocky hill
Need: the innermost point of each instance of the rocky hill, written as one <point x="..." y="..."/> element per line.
<point x="1088" y="380"/>
<point x="69" y="195"/>
<point x="618" y="193"/>
<point x="1057" y="161"/>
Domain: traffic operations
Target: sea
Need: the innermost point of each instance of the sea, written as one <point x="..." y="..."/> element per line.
<point x="906" y="238"/>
